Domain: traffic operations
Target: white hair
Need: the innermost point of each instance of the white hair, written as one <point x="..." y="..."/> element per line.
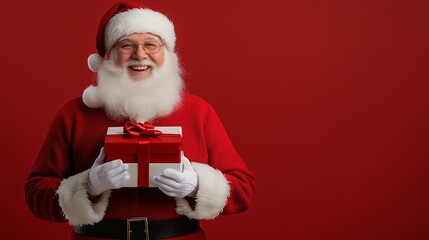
<point x="142" y="100"/>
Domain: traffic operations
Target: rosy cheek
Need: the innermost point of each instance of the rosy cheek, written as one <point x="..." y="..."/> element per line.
<point x="120" y="62"/>
<point x="159" y="61"/>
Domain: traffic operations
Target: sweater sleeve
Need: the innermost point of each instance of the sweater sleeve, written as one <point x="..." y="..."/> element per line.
<point x="56" y="185"/>
<point x="224" y="157"/>
<point x="47" y="172"/>
<point x="226" y="185"/>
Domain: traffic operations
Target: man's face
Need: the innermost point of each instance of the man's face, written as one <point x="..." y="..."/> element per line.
<point x="135" y="53"/>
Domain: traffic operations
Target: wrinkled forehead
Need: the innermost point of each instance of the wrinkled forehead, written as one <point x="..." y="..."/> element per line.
<point x="138" y="37"/>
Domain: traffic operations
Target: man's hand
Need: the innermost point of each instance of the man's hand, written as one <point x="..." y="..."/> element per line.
<point x="105" y="176"/>
<point x="178" y="184"/>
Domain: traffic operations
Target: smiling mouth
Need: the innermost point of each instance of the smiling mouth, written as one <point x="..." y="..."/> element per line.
<point x="139" y="68"/>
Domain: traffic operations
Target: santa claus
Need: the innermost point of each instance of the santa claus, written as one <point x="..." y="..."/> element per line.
<point x="138" y="79"/>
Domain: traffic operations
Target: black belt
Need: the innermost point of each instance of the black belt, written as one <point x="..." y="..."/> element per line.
<point x="139" y="228"/>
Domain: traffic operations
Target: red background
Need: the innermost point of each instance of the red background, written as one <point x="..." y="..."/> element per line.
<point x="327" y="101"/>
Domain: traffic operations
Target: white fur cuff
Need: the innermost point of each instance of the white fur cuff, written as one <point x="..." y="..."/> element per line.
<point x="212" y="195"/>
<point x="75" y="203"/>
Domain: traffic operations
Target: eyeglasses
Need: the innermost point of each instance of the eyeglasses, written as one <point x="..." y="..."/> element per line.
<point x="128" y="46"/>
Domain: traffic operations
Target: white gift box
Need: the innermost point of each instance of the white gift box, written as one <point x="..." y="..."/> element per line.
<point x="154" y="168"/>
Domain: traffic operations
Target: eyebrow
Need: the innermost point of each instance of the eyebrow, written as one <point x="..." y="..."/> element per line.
<point x="148" y="38"/>
<point x="155" y="39"/>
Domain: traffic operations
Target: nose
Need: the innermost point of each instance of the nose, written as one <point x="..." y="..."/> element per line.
<point x="140" y="54"/>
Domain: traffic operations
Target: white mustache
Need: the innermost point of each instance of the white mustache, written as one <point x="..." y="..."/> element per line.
<point x="144" y="62"/>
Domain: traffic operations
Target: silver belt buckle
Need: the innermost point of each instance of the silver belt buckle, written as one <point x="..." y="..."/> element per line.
<point x="137" y="219"/>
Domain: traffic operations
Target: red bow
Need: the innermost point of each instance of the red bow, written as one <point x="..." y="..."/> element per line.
<point x="136" y="129"/>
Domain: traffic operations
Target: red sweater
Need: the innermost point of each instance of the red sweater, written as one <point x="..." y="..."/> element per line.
<point x="77" y="134"/>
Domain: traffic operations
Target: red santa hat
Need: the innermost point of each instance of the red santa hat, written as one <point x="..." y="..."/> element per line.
<point x="125" y="18"/>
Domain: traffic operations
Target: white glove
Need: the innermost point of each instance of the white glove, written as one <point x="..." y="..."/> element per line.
<point x="105" y="176"/>
<point x="178" y="184"/>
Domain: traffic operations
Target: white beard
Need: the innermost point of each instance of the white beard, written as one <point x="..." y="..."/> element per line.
<point x="140" y="100"/>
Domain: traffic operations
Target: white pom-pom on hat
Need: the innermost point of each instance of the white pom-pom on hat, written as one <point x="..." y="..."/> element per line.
<point x="91" y="98"/>
<point x="90" y="94"/>
<point x="94" y="62"/>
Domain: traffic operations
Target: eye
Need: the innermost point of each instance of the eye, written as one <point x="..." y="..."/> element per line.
<point x="150" y="45"/>
<point x="126" y="45"/>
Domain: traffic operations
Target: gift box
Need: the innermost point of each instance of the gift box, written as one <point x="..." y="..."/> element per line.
<point x="146" y="155"/>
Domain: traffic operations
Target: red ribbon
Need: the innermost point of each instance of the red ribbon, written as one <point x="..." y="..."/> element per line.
<point x="136" y="129"/>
